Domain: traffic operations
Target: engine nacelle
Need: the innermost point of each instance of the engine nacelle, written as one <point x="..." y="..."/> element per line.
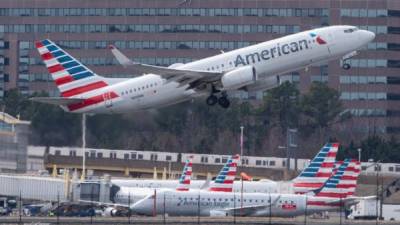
<point x="239" y="77"/>
<point x="217" y="213"/>
<point x="110" y="212"/>
<point x="264" y="84"/>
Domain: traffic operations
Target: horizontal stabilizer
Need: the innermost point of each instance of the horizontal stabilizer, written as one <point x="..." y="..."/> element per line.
<point x="56" y="100"/>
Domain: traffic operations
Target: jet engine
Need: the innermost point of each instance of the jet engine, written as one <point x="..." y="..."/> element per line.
<point x="263" y="84"/>
<point x="239" y="77"/>
<point x="218" y="213"/>
<point x="110" y="212"/>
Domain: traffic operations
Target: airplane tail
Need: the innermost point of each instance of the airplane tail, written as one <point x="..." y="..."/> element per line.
<point x="72" y="78"/>
<point x="184" y="180"/>
<point x="225" y="178"/>
<point x="318" y="171"/>
<point x="343" y="183"/>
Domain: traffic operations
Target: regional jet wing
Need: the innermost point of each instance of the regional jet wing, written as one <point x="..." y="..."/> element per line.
<point x="249" y="210"/>
<point x="349" y="201"/>
<point x="105" y="204"/>
<point x="182" y="76"/>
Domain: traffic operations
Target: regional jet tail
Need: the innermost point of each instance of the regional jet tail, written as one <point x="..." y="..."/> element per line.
<point x="339" y="189"/>
<point x="318" y="171"/>
<point x="184" y="180"/>
<point x="224" y="180"/>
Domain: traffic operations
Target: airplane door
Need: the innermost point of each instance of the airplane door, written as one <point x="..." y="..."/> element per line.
<point x="331" y="43"/>
<point x="107" y="99"/>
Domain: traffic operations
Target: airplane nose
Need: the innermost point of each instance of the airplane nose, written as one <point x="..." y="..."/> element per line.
<point x="366" y="35"/>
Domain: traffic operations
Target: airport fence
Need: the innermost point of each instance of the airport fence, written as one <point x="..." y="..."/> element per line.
<point x="18" y="209"/>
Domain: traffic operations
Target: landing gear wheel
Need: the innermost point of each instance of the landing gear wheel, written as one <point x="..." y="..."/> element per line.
<point x="212" y="100"/>
<point x="224" y="102"/>
<point x="346" y="66"/>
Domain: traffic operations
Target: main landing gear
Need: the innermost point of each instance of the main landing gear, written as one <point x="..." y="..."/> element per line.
<point x="223" y="101"/>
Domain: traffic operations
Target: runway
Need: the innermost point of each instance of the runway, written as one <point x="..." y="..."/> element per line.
<point x="186" y="220"/>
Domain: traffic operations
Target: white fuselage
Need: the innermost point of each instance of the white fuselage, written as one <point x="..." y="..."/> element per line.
<point x="176" y="203"/>
<point x="264" y="186"/>
<point x="270" y="58"/>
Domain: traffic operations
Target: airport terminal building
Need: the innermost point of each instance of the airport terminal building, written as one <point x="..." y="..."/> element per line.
<point x="163" y="32"/>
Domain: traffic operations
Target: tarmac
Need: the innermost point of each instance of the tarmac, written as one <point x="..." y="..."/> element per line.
<point x="187" y="220"/>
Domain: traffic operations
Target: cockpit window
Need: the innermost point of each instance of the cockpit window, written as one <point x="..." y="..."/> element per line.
<point x="350" y="30"/>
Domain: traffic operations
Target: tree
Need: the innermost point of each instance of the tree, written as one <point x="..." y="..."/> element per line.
<point x="281" y="106"/>
<point x="14" y="103"/>
<point x="320" y="108"/>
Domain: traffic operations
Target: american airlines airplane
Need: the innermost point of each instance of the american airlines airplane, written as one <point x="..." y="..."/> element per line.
<point x="253" y="68"/>
<point x="124" y="196"/>
<point x="312" y="177"/>
<point x="336" y="192"/>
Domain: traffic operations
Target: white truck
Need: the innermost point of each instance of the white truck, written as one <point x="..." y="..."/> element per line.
<point x="365" y="209"/>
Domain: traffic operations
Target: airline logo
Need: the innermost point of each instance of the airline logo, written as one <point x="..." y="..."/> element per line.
<point x="319" y="170"/>
<point x="273" y="52"/>
<point x="289" y="206"/>
<point x="225" y="178"/>
<point x="344" y="182"/>
<point x="71" y="77"/>
<point x="184" y="180"/>
<point x="341" y="185"/>
<point x="318" y="38"/>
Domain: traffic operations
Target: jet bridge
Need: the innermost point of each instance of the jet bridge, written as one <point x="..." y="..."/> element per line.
<point x="101" y="190"/>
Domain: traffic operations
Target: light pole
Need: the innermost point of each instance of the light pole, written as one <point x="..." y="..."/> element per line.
<point x="359" y="154"/>
<point x="241" y="145"/>
<point x="83" y="146"/>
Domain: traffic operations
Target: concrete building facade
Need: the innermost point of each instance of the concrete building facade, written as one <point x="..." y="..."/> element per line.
<point x="163" y="32"/>
<point x="13" y="144"/>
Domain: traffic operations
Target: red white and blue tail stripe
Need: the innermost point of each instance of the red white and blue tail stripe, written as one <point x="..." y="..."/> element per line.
<point x="184" y="180"/>
<point x="225" y="178"/>
<point x="71" y="77"/>
<point x="318" y="171"/>
<point x="343" y="183"/>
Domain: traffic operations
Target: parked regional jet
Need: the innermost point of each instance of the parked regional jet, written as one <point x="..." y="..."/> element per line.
<point x="125" y="196"/>
<point x="253" y="68"/>
<point x="336" y="192"/>
<point x="312" y="177"/>
<point x="122" y="197"/>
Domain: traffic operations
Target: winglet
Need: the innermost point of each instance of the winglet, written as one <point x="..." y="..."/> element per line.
<point x="121" y="58"/>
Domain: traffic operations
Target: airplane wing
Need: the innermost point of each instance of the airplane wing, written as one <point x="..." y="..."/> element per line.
<point x="192" y="77"/>
<point x="105" y="204"/>
<point x="245" y="210"/>
<point x="56" y="100"/>
<point x="349" y="201"/>
<point x="249" y="210"/>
